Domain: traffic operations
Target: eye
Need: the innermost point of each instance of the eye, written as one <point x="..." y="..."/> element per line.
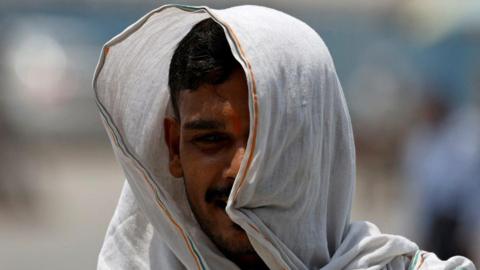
<point x="211" y="138"/>
<point x="210" y="142"/>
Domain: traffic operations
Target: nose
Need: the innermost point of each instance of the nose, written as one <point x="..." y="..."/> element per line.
<point x="233" y="166"/>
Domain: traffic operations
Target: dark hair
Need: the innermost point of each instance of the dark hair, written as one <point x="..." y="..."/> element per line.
<point x="203" y="56"/>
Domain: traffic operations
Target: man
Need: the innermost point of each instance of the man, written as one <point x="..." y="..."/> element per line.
<point x="208" y="135"/>
<point x="235" y="138"/>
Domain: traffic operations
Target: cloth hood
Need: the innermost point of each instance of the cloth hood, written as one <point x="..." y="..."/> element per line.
<point x="294" y="190"/>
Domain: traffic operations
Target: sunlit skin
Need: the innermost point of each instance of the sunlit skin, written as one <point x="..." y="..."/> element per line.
<point x="206" y="146"/>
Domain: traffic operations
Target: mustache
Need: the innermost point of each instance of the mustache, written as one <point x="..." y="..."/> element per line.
<point x="219" y="193"/>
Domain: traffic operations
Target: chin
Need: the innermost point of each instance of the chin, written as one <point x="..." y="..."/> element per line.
<point x="229" y="238"/>
<point x="226" y="235"/>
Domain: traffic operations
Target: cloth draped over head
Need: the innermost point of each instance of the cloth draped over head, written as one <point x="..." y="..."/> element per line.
<point x="293" y="193"/>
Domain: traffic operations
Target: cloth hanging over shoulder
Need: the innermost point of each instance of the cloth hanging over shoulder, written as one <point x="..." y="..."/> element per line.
<point x="293" y="193"/>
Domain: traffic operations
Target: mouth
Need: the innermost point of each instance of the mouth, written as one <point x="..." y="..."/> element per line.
<point x="220" y="203"/>
<point x="218" y="196"/>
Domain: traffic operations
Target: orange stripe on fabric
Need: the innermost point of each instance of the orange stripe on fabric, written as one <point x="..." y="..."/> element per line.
<point x="255" y="119"/>
<point x="253" y="227"/>
<point x="422" y="260"/>
<point x="255" y="108"/>
<point x="159" y="203"/>
<point x="170" y="217"/>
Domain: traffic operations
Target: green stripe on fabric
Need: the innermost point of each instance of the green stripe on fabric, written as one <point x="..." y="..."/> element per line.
<point x="414" y="260"/>
<point x="196" y="253"/>
<point x="187" y="7"/>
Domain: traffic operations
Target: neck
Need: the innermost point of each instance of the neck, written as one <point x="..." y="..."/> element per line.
<point x="249" y="261"/>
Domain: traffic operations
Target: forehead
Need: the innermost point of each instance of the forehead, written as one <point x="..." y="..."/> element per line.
<point x="216" y="101"/>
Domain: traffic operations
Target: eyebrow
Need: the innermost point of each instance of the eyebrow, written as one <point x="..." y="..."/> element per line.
<point x="204" y="124"/>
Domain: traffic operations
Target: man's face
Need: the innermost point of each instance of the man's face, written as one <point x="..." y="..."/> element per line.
<point x="206" y="148"/>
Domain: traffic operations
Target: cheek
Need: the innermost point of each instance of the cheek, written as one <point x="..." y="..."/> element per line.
<point x="236" y="123"/>
<point x="200" y="171"/>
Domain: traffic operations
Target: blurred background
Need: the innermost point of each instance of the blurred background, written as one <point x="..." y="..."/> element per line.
<point x="411" y="76"/>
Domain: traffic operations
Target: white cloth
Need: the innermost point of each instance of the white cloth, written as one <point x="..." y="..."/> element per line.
<point x="294" y="190"/>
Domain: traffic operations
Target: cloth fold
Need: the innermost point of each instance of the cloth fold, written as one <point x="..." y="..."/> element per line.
<point x="294" y="190"/>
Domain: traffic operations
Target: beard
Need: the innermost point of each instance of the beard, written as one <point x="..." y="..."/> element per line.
<point x="230" y="239"/>
<point x="230" y="244"/>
